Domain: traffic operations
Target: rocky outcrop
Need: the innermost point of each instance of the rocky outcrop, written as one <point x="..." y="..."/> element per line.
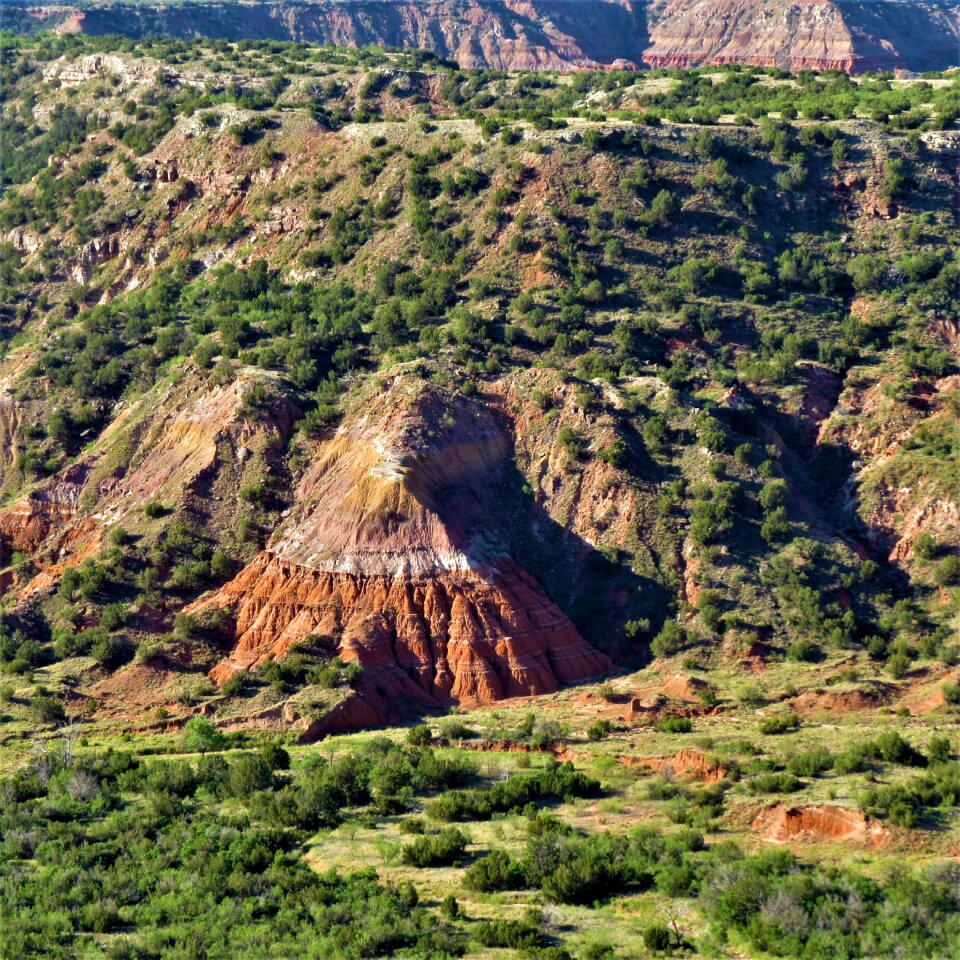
<point x="557" y="34"/>
<point x="899" y="490"/>
<point x="395" y="551"/>
<point x="161" y="172"/>
<point x="940" y="518"/>
<point x="25" y="525"/>
<point x="128" y="71"/>
<point x="24" y="240"/>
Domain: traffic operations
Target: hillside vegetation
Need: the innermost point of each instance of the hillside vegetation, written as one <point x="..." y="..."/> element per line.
<point x="345" y="389"/>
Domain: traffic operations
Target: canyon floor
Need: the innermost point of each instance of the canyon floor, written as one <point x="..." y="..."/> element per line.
<point x="708" y="780"/>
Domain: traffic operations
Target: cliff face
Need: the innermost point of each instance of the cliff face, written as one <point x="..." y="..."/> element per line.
<point x="396" y="551"/>
<point x="464" y="544"/>
<point x="850" y="35"/>
<point x="900" y="495"/>
<point x="815" y="34"/>
<point x="513" y="35"/>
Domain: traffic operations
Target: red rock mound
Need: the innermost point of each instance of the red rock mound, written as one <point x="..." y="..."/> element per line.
<point x="392" y="550"/>
<point x="816" y="824"/>
<point x="685" y="764"/>
<point x="921" y="697"/>
<point x="680" y="686"/>
<point x="840" y="701"/>
<point x="352" y="714"/>
<point x="138" y="687"/>
<point x="651" y="703"/>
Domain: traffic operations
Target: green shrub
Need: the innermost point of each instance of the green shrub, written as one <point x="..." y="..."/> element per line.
<point x="779" y="723"/>
<point x="494" y="872"/>
<point x="675" y="724"/>
<point x="201" y="736"/>
<point x="561" y="782"/>
<point x="515" y="934"/>
<point x="234" y="685"/>
<point x="925" y="546"/>
<point x="47" y="710"/>
<point x="811" y="763"/>
<point x="804" y="650"/>
<point x="670" y="640"/>
<point x="442" y="850"/>
<point x="599" y="729"/>
<point x="249" y="774"/>
<point x="947" y="571"/>
<point x="420" y="735"/>
<point x="656" y="938"/>
<point x="774" y="783"/>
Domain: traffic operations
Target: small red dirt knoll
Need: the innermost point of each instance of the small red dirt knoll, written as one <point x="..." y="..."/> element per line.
<point x="926" y="695"/>
<point x="650" y="704"/>
<point x="128" y="694"/>
<point x="685" y="764"/>
<point x="812" y="702"/>
<point x="394" y="551"/>
<point x="649" y="710"/>
<point x="817" y="824"/>
<point x="680" y="686"/>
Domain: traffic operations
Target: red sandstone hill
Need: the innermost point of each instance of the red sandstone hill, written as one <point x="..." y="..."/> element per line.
<point x="394" y="549"/>
<point x="851" y="35"/>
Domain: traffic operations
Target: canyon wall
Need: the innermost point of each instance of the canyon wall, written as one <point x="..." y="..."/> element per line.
<point x="818" y="34"/>
<point x="851" y="35"/>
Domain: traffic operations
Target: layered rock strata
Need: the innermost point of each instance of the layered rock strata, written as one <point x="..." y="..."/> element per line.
<point x="851" y="35"/>
<point x="395" y="556"/>
<point x="813" y="34"/>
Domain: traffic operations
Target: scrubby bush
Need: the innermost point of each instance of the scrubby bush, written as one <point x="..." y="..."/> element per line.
<point x="675" y="724"/>
<point x="599" y="729"/>
<point x="774" y="783"/>
<point x="779" y="723"/>
<point x="496" y="871"/>
<point x="442" y="850"/>
<point x="420" y="735"/>
<point x="656" y="938"/>
<point x="670" y="640"/>
<point x="561" y="782"/>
